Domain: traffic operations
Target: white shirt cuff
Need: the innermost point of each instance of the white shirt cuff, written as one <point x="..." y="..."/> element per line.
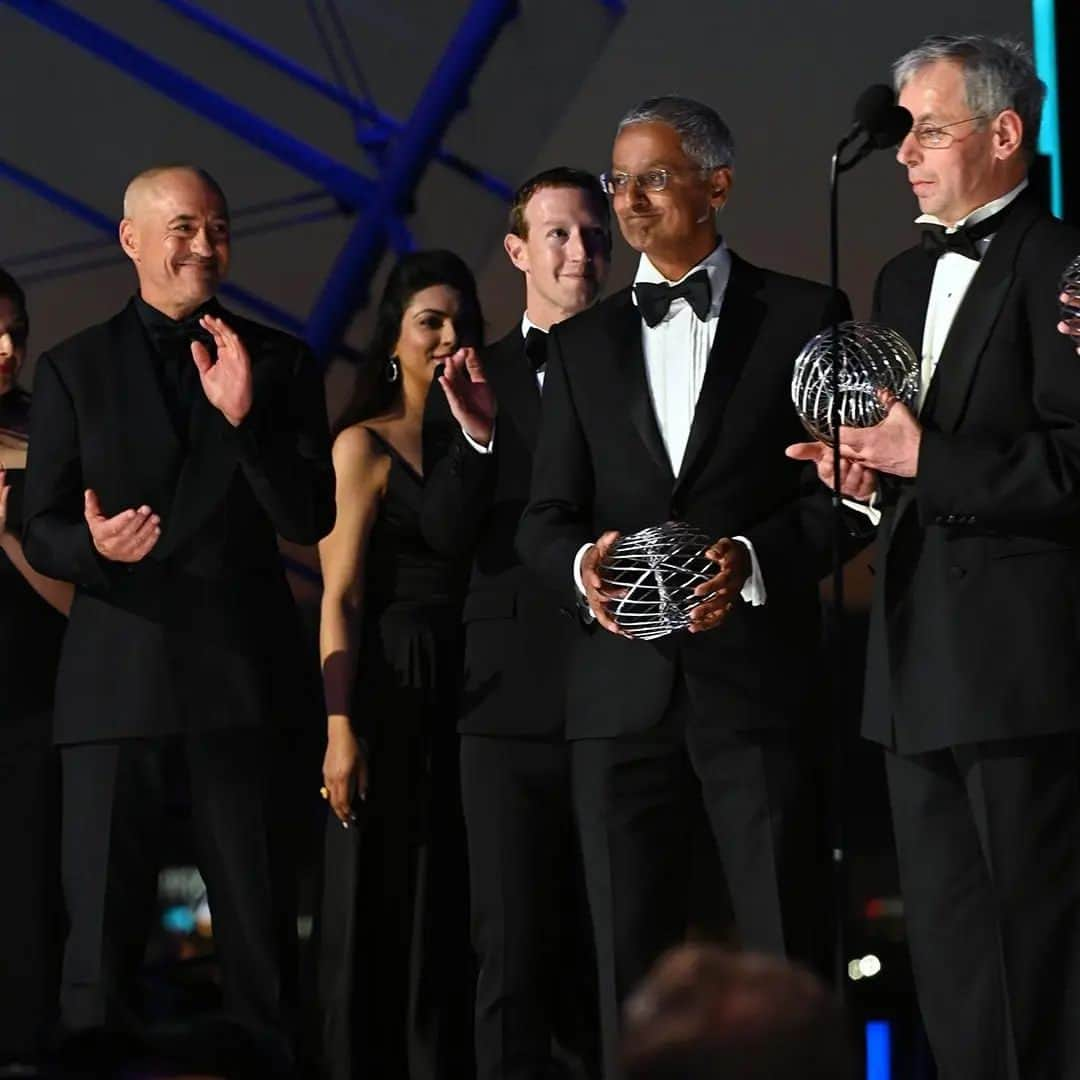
<point x="870" y="509"/>
<point x="753" y="590"/>
<point x="586" y="611"/>
<point x="577" y="569"/>
<point x="479" y="447"/>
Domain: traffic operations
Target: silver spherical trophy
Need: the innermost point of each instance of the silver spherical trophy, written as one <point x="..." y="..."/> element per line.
<point x="656" y="571"/>
<point x="871" y="358"/>
<point x="1070" y="287"/>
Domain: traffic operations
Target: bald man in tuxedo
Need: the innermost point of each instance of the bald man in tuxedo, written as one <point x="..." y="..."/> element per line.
<point x="171" y="446"/>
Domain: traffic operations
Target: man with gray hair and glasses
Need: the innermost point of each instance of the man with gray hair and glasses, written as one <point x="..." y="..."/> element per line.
<point x="973" y="680"/>
<point x="671" y="401"/>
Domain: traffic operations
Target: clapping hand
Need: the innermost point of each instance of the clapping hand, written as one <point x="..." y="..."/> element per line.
<point x="127" y="537"/>
<point x="469" y="394"/>
<point x="227" y="382"/>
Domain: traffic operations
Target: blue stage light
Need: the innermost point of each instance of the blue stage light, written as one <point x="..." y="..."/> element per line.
<point x="878" y="1050"/>
<point x="178" y="919"/>
<point x="1044" y="28"/>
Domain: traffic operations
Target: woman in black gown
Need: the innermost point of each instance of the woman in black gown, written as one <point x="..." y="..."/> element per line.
<point x="31" y="625"/>
<point x="396" y="978"/>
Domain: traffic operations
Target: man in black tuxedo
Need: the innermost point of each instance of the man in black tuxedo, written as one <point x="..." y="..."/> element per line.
<point x="973" y="679"/>
<point x="170" y="447"/>
<point x="529" y="927"/>
<point x="668" y="401"/>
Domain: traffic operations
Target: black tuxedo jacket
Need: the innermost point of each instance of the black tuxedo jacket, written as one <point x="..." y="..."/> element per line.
<point x="203" y="632"/>
<point x="601" y="464"/>
<point x="516" y="635"/>
<point x="975" y="627"/>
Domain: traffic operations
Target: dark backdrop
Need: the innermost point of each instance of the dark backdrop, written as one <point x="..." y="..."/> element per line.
<point x="784" y="75"/>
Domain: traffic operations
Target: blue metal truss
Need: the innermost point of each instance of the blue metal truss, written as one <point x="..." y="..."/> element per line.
<point x="347" y="287"/>
<point x="344" y="183"/>
<point x="402" y="151"/>
<point x="383" y="127"/>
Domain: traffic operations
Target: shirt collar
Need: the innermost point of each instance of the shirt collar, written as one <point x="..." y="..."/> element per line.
<point x="527" y="324"/>
<point x="717" y="265"/>
<point x="152" y="318"/>
<point x="977" y="215"/>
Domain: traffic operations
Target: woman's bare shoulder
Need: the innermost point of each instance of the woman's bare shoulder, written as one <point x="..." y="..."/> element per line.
<point x="358" y="449"/>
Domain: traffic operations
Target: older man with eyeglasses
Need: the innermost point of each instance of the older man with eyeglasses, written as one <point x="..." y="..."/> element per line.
<point x="973" y="680"/>
<point x="670" y="400"/>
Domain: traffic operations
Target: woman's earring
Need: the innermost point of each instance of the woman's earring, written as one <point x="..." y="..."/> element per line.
<point x="393" y="369"/>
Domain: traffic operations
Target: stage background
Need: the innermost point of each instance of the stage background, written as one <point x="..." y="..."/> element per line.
<point x="783" y="74"/>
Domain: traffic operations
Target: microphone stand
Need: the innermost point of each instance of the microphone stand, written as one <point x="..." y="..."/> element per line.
<point x="838" y="860"/>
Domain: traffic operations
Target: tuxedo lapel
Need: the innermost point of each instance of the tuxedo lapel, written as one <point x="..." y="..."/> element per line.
<point x="512" y="377"/>
<point x="629" y="357"/>
<point x="740" y="318"/>
<point x="909" y="317"/>
<point x="975" y="320"/>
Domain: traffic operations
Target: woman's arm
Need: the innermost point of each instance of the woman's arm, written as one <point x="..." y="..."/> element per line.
<point x="57" y="593"/>
<point x="361" y="475"/>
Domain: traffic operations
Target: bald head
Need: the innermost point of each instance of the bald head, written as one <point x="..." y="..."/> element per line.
<point x="152" y="183"/>
<point x="176" y="232"/>
<point x="704" y="1012"/>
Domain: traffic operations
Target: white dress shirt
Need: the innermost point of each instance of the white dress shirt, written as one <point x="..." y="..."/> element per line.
<point x="677" y="351"/>
<point x="676" y="355"/>
<point x="953" y="274"/>
<point x="526" y="325"/>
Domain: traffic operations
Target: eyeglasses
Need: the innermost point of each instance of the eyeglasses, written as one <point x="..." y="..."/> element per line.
<point x="617" y="183"/>
<point x="937" y="138"/>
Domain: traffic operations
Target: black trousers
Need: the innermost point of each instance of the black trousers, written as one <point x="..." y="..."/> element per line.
<point x="114" y="813"/>
<point x="988" y="837"/>
<point x="30" y="903"/>
<point x="395" y="977"/>
<point x="636" y="798"/>
<point x="535" y="1002"/>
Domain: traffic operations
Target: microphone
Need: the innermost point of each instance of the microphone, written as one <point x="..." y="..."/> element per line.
<point x="879" y="120"/>
<point x="890" y="127"/>
<point x="872" y="103"/>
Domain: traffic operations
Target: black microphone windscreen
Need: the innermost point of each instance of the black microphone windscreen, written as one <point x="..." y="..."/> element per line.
<point x="890" y="127"/>
<point x="872" y="102"/>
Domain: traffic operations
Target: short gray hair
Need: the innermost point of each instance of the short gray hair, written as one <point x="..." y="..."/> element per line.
<point x="706" y="139"/>
<point x="998" y="74"/>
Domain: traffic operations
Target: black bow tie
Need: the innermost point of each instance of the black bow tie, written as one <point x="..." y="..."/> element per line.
<point x="965" y="240"/>
<point x="654" y="300"/>
<point x="179" y="333"/>
<point x="536" y="343"/>
<point x="175" y="335"/>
